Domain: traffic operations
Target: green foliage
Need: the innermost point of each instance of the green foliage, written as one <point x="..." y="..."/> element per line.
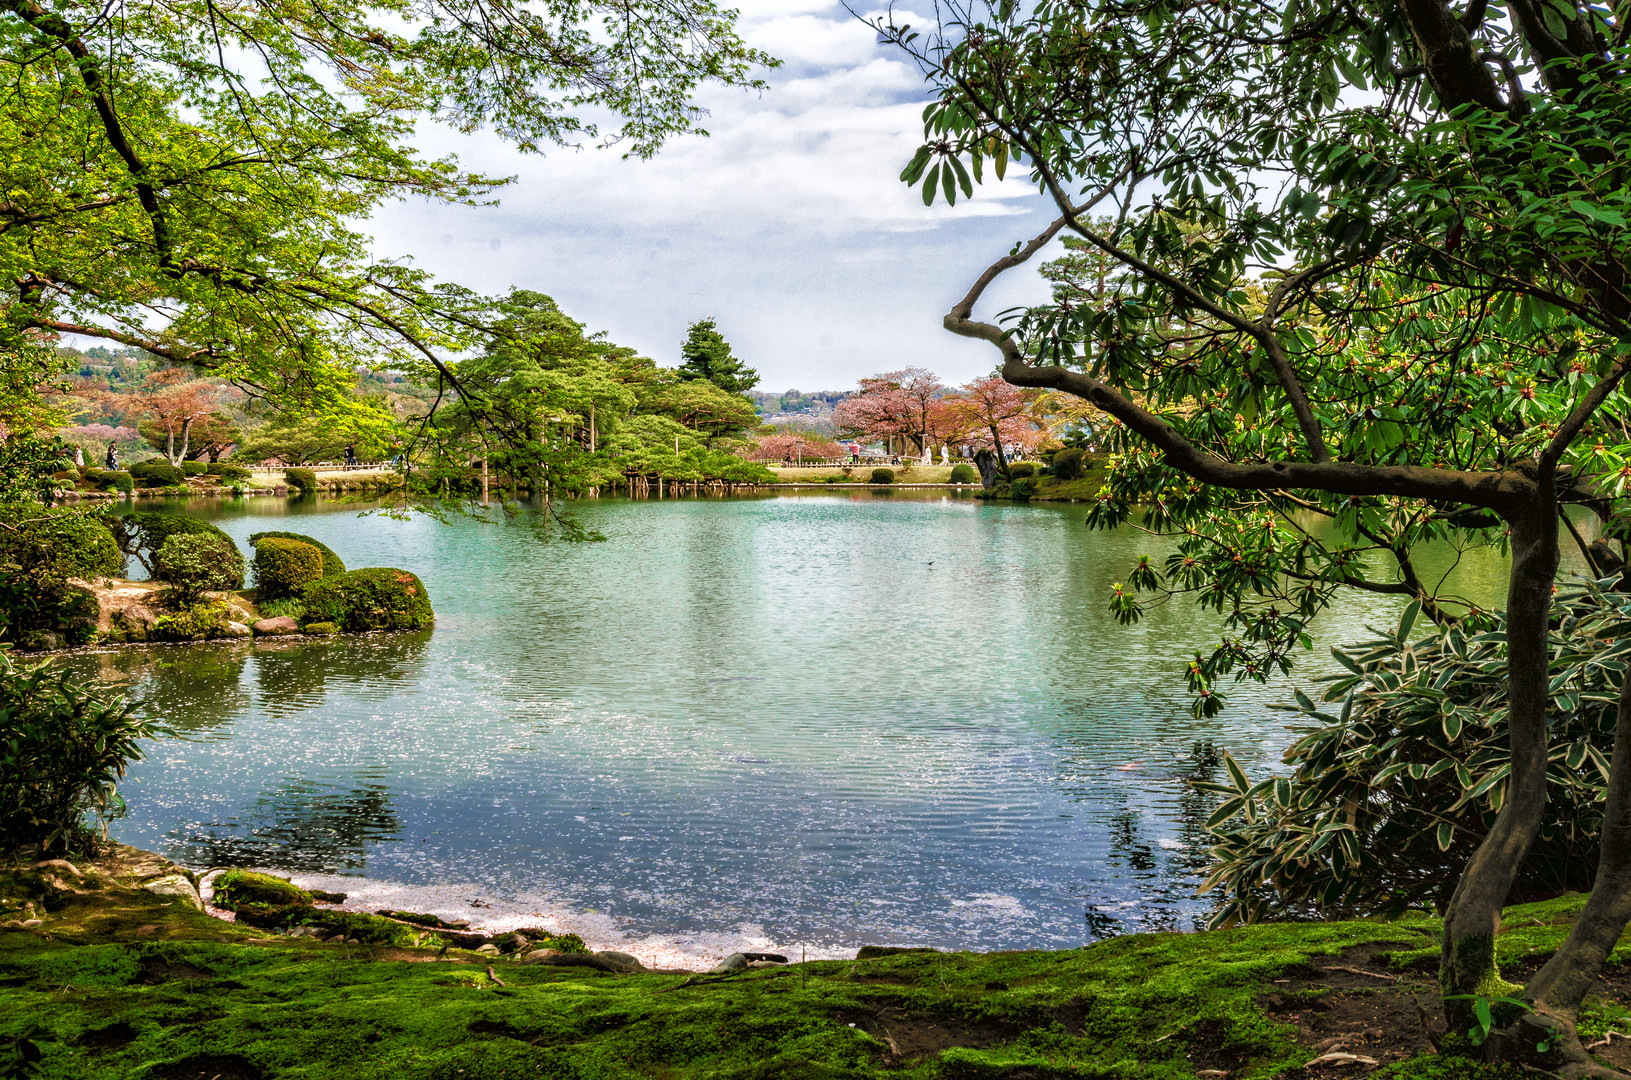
<point x="1022" y="471"/>
<point x="1022" y="490"/>
<point x="192" y="563"/>
<point x="116" y="480"/>
<point x="1391" y="792"/>
<point x="156" y="472"/>
<point x="56" y="541"/>
<point x="376" y="598"/>
<point x="193" y="468"/>
<point x="964" y="473"/>
<point x="226" y="471"/>
<point x="302" y="480"/>
<point x="883" y="476"/>
<point x="140" y="535"/>
<point x="1068" y="465"/>
<point x="707" y="355"/>
<point x="201" y="621"/>
<point x="63" y="749"/>
<point x="284" y="567"/>
<point x="320" y="628"/>
<point x="292" y="606"/>
<point x="26" y="461"/>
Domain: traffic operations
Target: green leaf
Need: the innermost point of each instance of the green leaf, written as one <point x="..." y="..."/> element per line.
<point x="1407" y="619"/>
<point x="1224" y="813"/>
<point x="1608" y="217"/>
<point x="1446" y="832"/>
<point x="929" y="183"/>
<point x="1236" y="773"/>
<point x="948" y="181"/>
<point x="914" y="168"/>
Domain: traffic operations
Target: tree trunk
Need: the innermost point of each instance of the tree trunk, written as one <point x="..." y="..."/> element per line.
<point x="186" y="434"/>
<point x="986" y="462"/>
<point x="1558" y="988"/>
<point x="1002" y="460"/>
<point x="1467" y="962"/>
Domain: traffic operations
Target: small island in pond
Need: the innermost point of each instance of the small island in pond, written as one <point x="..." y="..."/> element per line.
<point x="195" y="585"/>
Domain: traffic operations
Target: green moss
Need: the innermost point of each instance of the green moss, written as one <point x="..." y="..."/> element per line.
<point x="321" y="628"/>
<point x="237" y="887"/>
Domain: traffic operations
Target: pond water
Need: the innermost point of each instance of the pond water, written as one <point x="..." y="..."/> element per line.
<point x="804" y="721"/>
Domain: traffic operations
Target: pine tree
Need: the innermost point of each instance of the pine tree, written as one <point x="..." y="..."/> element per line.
<point x="707" y="355"/>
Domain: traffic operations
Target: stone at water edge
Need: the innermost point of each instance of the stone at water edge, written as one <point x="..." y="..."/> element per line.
<point x="488" y="948"/>
<point x="622" y="960"/>
<point x="175" y="885"/>
<point x="734" y="962"/>
<point x="282" y="624"/>
<point x="237" y="629"/>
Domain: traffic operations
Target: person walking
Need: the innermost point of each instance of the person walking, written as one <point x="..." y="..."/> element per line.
<point x="79" y="457"/>
<point x="351" y="457"/>
<point x="113" y="458"/>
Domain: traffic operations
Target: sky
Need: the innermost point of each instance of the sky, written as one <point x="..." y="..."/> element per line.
<point x="789" y="225"/>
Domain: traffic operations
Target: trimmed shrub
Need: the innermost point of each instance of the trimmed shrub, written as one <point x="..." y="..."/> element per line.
<point x="226" y="472"/>
<point x="116" y="481"/>
<point x="195" y="562"/>
<point x="141" y="535"/>
<point x="1022" y="490"/>
<point x="70" y="475"/>
<point x="1021" y="472"/>
<point x="883" y="476"/>
<point x="834" y="479"/>
<point x="56" y="541"/>
<point x="303" y="480"/>
<point x="156" y="473"/>
<point x="963" y="473"/>
<point x="332" y="563"/>
<point x="67" y="746"/>
<point x="376" y="598"/>
<point x="194" y="468"/>
<point x="285" y="567"/>
<point x="1067" y="464"/>
<point x="199" y="622"/>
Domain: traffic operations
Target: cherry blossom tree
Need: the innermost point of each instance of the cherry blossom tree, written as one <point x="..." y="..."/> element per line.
<point x="906" y="404"/>
<point x="997" y="414"/>
<point x="176" y="401"/>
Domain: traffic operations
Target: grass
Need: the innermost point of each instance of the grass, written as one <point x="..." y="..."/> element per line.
<point x="126" y="984"/>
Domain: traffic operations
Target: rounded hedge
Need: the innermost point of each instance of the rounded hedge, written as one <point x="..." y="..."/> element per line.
<point x="883" y="476"/>
<point x="963" y="473"/>
<point x="195" y="562"/>
<point x="156" y="473"/>
<point x="1021" y="472"/>
<point x="332" y="563"/>
<point x="375" y="598"/>
<point x="115" y="481"/>
<point x="57" y="541"/>
<point x="285" y="567"/>
<point x="1067" y="464"/>
<point x="303" y="479"/>
<point x="226" y="472"/>
<point x="193" y="468"/>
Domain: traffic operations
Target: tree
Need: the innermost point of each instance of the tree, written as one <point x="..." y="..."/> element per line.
<point x="294" y="441"/>
<point x="1000" y="410"/>
<point x="705" y="407"/>
<point x="187" y="180"/>
<point x="211" y="435"/>
<point x="176" y="401"/>
<point x="904" y="404"/>
<point x="1418" y="325"/>
<point x="707" y="355"/>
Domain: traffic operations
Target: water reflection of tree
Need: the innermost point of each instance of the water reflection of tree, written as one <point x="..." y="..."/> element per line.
<point x="302" y="826"/>
<point x="1163" y="879"/>
<point x="192" y="688"/>
<point x="293" y="675"/>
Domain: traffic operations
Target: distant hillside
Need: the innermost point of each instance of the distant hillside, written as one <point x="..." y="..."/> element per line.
<point x="814" y="403"/>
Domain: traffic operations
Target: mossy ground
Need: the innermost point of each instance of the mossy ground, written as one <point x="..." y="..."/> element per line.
<point x="128" y="984"/>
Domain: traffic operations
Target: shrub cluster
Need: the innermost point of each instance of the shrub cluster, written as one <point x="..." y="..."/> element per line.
<point x="284" y="567"/>
<point x="226" y="472"/>
<point x="376" y="598"/>
<point x="156" y="473"/>
<point x="55" y="540"/>
<point x="198" y="622"/>
<point x="303" y="480"/>
<point x="65" y="748"/>
<point x="140" y="535"/>
<point x="1022" y="472"/>
<point x="883" y="476"/>
<point x="109" y="480"/>
<point x="332" y="564"/>
<point x="1022" y="490"/>
<point x="193" y="468"/>
<point x="963" y="473"/>
<point x="1067" y="464"/>
<point x="192" y="563"/>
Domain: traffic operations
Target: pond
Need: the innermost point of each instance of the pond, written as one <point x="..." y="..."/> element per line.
<point x="801" y="721"/>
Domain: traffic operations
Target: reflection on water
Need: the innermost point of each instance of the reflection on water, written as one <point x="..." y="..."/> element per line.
<point x="301" y="826"/>
<point x="826" y="719"/>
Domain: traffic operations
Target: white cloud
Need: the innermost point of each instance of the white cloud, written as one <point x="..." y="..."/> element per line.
<point x="788" y="225"/>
